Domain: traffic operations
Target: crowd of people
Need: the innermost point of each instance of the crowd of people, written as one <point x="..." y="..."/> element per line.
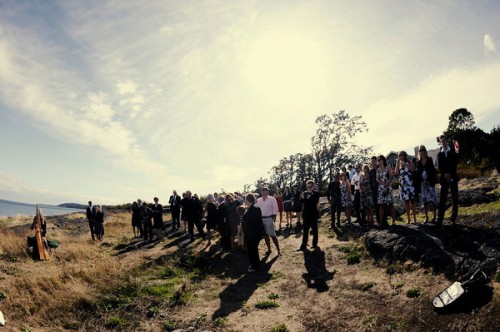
<point x="362" y="191"/>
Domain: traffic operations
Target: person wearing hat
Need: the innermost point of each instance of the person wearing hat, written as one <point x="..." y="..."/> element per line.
<point x="269" y="209"/>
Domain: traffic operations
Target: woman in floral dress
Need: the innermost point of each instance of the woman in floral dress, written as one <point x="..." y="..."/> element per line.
<point x="384" y="177"/>
<point x="428" y="177"/>
<point x="405" y="169"/>
<point x="366" y="193"/>
<point x="345" y="196"/>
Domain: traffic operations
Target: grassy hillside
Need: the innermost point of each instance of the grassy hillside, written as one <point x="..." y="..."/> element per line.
<point x="130" y="285"/>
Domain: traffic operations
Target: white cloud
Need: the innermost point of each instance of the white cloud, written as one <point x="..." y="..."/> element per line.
<point x="422" y="114"/>
<point x="126" y="87"/>
<point x="489" y="44"/>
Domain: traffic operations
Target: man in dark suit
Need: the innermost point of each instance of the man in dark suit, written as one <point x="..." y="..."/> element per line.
<point x="193" y="214"/>
<point x="157" y="210"/>
<point x="175" y="209"/>
<point x="253" y="230"/>
<point x="310" y="213"/>
<point x="333" y="195"/>
<point x="447" y="160"/>
<point x="91" y="218"/>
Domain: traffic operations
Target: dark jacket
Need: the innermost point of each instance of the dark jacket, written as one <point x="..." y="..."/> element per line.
<point x="448" y="164"/>
<point x="157" y="213"/>
<point x="253" y="228"/>
<point x="373" y="180"/>
<point x="429" y="169"/>
<point x="175" y="204"/>
<point x="310" y="201"/>
<point x="90" y="213"/>
<point x="99" y="217"/>
<point x="222" y="215"/>
<point x="333" y="191"/>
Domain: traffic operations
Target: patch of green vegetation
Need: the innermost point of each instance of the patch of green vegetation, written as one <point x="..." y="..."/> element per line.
<point x="353" y="253"/>
<point x="171" y="291"/>
<point x="273" y="296"/>
<point x="391" y="269"/>
<point x="353" y="258"/>
<point x="396" y="326"/>
<point x="277" y="275"/>
<point x="266" y="304"/>
<point x="171" y="272"/>
<point x="220" y="321"/>
<point x="399" y="285"/>
<point x="116" y="322"/>
<point x="120" y="296"/>
<point x="154" y="311"/>
<point x="481" y="208"/>
<point x="280" y="328"/>
<point x="25" y="329"/>
<point x="170" y="326"/>
<point x="497" y="277"/>
<point x="3" y="296"/>
<point x="369" y="320"/>
<point x="195" y="265"/>
<point x="413" y="292"/>
<point x="367" y="286"/>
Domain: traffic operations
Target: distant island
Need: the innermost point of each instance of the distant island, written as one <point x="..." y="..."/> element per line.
<point x="73" y="206"/>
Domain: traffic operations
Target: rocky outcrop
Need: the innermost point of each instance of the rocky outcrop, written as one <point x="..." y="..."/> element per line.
<point x="456" y="251"/>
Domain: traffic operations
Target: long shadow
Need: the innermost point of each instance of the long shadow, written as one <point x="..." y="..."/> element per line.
<point x="317" y="275"/>
<point x="234" y="296"/>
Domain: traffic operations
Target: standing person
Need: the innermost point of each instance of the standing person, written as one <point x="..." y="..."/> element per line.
<point x="147" y="224"/>
<point x="351" y="173"/>
<point x="296" y="204"/>
<point x="384" y="198"/>
<point x="253" y="230"/>
<point x="233" y="218"/>
<point x="269" y="209"/>
<point x="366" y="193"/>
<point x="135" y="211"/>
<point x="405" y="169"/>
<point x="428" y="179"/>
<point x="447" y="160"/>
<point x="99" y="223"/>
<point x="211" y="215"/>
<point x="184" y="204"/>
<point x="193" y="215"/>
<point x="287" y="206"/>
<point x="310" y="199"/>
<point x="279" y="201"/>
<point x="223" y="224"/>
<point x="345" y="195"/>
<point x="374" y="187"/>
<point x="157" y="218"/>
<point x="334" y="196"/>
<point x="175" y="209"/>
<point x="360" y="215"/>
<point x="91" y="218"/>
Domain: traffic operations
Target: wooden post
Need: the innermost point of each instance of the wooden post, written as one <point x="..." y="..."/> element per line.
<point x="41" y="243"/>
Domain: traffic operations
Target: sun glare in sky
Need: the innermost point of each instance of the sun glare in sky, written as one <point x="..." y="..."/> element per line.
<point x="286" y="69"/>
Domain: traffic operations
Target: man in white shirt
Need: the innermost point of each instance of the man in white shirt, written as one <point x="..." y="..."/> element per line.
<point x="269" y="209"/>
<point x="360" y="215"/>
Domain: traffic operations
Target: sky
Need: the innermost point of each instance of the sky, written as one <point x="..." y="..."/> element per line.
<point x="111" y="101"/>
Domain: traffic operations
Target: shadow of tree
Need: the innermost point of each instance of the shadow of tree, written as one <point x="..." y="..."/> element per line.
<point x="317" y="275"/>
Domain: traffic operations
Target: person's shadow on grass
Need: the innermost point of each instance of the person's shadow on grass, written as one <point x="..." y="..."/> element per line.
<point x="233" y="297"/>
<point x="317" y="275"/>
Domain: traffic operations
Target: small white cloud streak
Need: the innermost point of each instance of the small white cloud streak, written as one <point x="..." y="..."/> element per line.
<point x="489" y="44"/>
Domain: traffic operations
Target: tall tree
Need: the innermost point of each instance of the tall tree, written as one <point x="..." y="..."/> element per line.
<point x="334" y="142"/>
<point x="460" y="119"/>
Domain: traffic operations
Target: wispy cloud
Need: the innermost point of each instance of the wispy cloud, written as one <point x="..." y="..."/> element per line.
<point x="489" y="44"/>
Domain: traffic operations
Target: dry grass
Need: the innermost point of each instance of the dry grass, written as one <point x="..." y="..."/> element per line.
<point x="89" y="286"/>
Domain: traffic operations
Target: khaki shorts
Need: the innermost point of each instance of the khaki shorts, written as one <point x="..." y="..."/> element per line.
<point x="269" y="226"/>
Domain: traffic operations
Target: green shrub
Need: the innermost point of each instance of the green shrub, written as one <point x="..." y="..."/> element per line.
<point x="497" y="277"/>
<point x="266" y="305"/>
<point x="273" y="296"/>
<point x="2" y="296"/>
<point x="154" y="311"/>
<point x="170" y="326"/>
<point x="353" y="258"/>
<point x="220" y="321"/>
<point x="390" y="270"/>
<point x="25" y="329"/>
<point x="413" y="293"/>
<point x="280" y="328"/>
<point x="116" y="322"/>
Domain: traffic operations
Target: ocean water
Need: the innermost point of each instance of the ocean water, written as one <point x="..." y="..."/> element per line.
<point x="10" y="209"/>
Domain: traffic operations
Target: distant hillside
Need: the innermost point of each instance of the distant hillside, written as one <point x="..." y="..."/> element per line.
<point x="73" y="206"/>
